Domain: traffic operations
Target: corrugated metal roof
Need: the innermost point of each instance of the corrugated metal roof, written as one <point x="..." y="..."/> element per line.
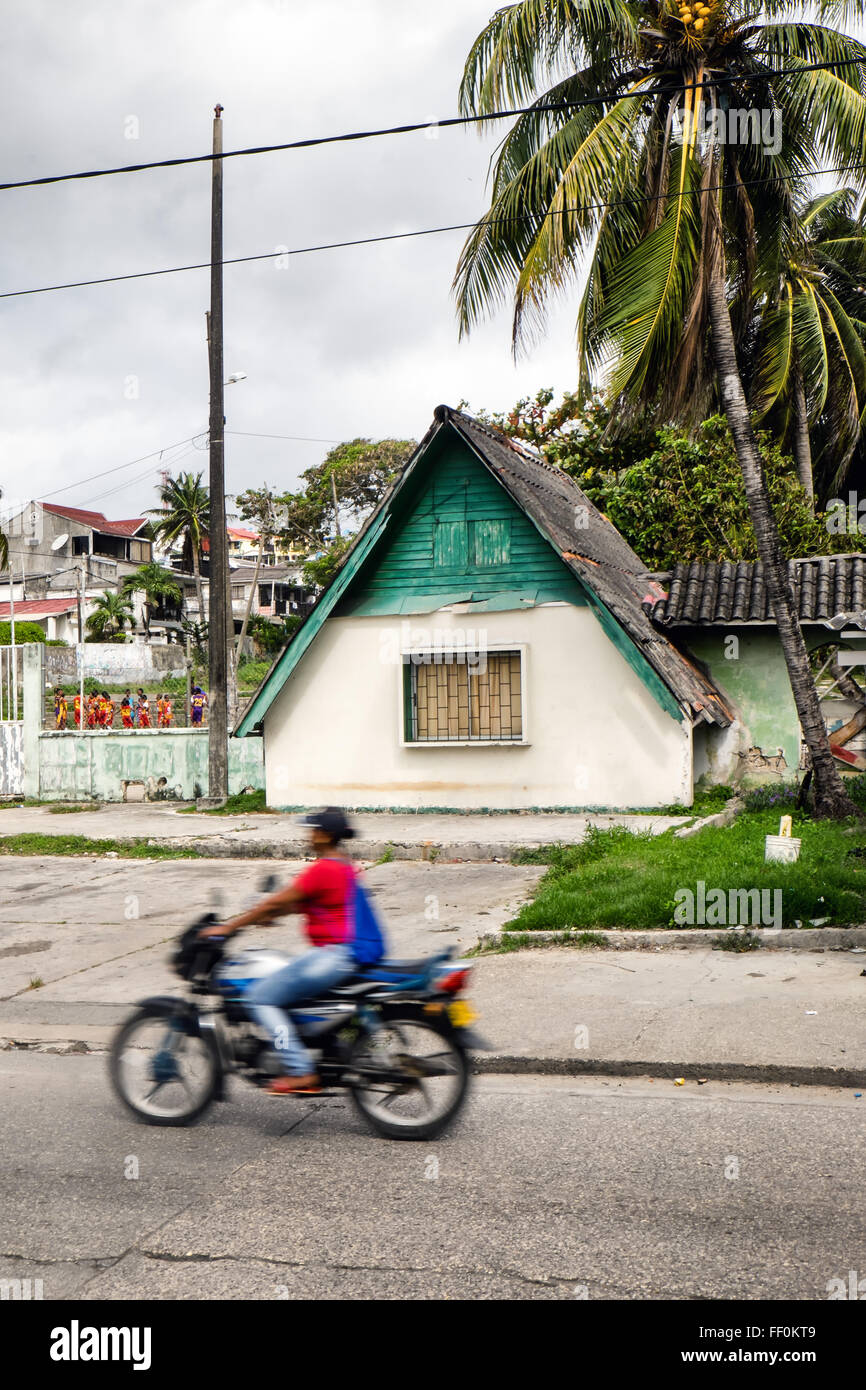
<point x="734" y="592"/>
<point x="595" y="551"/>
<point x="38" y="607"/>
<point x="97" y="520"/>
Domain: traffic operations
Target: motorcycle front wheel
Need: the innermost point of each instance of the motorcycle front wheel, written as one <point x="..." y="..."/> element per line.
<point x="412" y="1079"/>
<point x="163" y="1073"/>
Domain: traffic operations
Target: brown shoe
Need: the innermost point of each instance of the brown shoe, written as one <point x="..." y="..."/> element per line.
<point x="294" y="1085"/>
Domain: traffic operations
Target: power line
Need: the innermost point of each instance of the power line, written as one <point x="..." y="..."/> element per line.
<point x="80" y="482"/>
<point x="426" y="231"/>
<point x="314" y="141"/>
<point x="299" y="438"/>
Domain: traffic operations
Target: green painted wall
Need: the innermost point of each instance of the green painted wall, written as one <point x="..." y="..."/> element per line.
<point x="95" y="765"/>
<point x="457" y="535"/>
<point x="755" y="677"/>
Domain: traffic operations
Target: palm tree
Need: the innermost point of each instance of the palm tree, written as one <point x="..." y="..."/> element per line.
<point x="111" y="613"/>
<point x="810" y="364"/>
<point x="184" y="516"/>
<point x="625" y="164"/>
<point x="156" y="584"/>
<point x="4" y="550"/>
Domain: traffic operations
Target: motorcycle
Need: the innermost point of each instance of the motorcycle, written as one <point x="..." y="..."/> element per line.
<point x="397" y="1036"/>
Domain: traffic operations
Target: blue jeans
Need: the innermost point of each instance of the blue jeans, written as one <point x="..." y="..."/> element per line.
<point x="302" y="979"/>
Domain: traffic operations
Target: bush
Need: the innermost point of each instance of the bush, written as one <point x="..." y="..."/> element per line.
<point x="24" y="632"/>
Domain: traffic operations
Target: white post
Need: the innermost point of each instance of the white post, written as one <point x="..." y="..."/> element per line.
<point x="81" y="600"/>
<point x="13" y="662"/>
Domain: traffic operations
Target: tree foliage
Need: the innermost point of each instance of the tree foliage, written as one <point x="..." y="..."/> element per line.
<point x="674" y="495"/>
<point x="358" y="472"/>
<point x="109" y="618"/>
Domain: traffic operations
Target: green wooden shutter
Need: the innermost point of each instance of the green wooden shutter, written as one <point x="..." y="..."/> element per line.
<point x="451" y="545"/>
<point x="492" y="543"/>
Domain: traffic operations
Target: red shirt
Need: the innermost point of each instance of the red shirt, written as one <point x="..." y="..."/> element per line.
<point x="327" y="887"/>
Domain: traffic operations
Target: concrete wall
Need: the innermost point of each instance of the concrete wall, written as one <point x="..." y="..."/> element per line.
<point x="596" y="736"/>
<point x="114" y="662"/>
<point x="11" y="757"/>
<point x="95" y="765"/>
<point x="749" y="667"/>
<point x="120" y="764"/>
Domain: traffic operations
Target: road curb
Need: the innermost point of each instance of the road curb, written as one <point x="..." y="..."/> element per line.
<point x="503" y="1065"/>
<point x="768" y="938"/>
<point x="688" y="1071"/>
<point x="472" y="852"/>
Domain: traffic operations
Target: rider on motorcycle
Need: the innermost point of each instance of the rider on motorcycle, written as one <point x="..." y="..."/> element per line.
<point x="324" y="892"/>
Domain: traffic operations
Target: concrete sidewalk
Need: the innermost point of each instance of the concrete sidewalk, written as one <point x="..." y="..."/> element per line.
<point x="98" y="935"/>
<point x="421" y="835"/>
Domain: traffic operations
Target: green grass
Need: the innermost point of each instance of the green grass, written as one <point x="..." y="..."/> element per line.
<point x="81" y="844"/>
<point x="68" y="808"/>
<point x="617" y="879"/>
<point x="708" y="800"/>
<point x="242" y="803"/>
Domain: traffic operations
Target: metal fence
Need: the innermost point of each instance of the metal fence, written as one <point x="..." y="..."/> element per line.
<point x="11" y="721"/>
<point x="11" y="698"/>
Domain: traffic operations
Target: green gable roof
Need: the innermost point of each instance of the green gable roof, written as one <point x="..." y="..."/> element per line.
<point x="466" y="497"/>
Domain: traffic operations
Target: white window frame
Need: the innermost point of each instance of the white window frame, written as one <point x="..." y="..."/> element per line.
<point x="490" y="647"/>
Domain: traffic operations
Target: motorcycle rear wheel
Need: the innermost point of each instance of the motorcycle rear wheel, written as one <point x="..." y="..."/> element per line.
<point x="163" y="1074"/>
<point x="430" y="1078"/>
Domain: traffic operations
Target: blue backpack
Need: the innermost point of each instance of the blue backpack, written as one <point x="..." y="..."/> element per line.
<point x="368" y="945"/>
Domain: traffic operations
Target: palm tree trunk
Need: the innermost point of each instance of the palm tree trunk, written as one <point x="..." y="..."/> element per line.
<point x="243" y="632"/>
<point x="802" y="443"/>
<point x="196" y="569"/>
<point x="831" y="798"/>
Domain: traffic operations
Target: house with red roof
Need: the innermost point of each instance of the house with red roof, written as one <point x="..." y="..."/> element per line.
<point x="50" y="544"/>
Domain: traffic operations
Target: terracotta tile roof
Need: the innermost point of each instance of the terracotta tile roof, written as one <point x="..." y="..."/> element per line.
<point x="704" y="595"/>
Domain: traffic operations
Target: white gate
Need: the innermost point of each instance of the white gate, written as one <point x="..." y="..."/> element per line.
<point x="11" y="722"/>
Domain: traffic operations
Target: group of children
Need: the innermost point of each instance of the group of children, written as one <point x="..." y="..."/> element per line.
<point x="100" y="710"/>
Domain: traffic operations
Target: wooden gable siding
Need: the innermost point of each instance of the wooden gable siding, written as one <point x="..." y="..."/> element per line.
<point x="459" y="530"/>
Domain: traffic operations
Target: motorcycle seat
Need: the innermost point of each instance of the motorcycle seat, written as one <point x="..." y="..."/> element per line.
<point x="403" y="967"/>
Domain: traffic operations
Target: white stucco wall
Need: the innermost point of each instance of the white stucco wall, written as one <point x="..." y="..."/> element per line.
<point x="596" y="736"/>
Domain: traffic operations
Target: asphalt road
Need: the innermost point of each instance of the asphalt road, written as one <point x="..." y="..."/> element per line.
<point x="547" y="1188"/>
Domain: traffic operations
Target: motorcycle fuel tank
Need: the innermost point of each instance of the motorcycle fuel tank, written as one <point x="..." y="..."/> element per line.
<point x="238" y="972"/>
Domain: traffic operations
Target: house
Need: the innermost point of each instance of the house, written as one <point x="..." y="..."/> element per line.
<point x="278" y="592"/>
<point x="488" y="643"/>
<point x="243" y="548"/>
<point x="58" y="617"/>
<point x="722" y="614"/>
<point x="54" y="544"/>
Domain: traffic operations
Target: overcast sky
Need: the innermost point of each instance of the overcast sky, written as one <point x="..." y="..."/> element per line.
<point x="336" y="344"/>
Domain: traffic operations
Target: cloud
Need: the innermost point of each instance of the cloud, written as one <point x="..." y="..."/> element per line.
<point x="338" y="344"/>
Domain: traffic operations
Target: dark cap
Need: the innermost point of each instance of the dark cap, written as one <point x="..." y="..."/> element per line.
<point x="333" y="820"/>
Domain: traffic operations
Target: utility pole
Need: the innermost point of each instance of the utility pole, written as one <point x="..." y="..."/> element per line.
<point x="218" y="587"/>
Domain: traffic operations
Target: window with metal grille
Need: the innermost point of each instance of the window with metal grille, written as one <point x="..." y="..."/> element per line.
<point x="475" y="698"/>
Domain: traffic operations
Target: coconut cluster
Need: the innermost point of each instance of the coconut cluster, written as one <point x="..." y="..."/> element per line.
<point x="695" y="17"/>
